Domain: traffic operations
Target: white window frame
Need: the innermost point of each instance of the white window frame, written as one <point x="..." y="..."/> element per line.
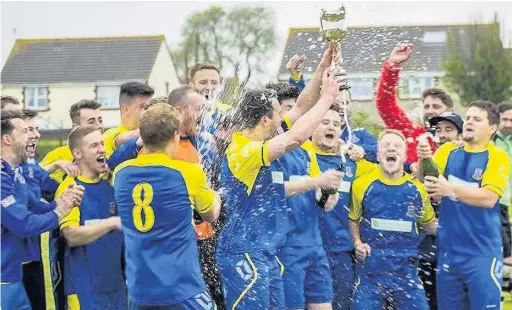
<point x="413" y="87"/>
<point x="361" y="88"/>
<point x="437" y="36"/>
<point x="108" y="96"/>
<point x="36" y="98"/>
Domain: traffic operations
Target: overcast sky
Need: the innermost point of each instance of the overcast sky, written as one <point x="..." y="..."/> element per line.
<point x="68" y="19"/>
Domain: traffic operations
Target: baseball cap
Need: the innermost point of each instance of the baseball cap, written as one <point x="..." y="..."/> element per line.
<point x="451" y="117"/>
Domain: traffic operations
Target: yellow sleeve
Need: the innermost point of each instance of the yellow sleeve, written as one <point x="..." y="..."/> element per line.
<point x="245" y="160"/>
<point x="364" y="167"/>
<point x="497" y="172"/>
<point x="109" y="138"/>
<point x="56" y="155"/>
<point x="356" y="202"/>
<point x="73" y="218"/>
<point x="203" y="196"/>
<point x="287" y="121"/>
<point x="428" y="214"/>
<point x="440" y="157"/>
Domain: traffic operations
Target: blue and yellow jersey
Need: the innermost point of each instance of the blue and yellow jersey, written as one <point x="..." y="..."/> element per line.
<point x="334" y="224"/>
<point x="60" y="153"/>
<point x="155" y="196"/>
<point x="303" y="228"/>
<point x="464" y="228"/>
<point x="18" y="222"/>
<point x="96" y="267"/>
<point x="37" y="180"/>
<point x="388" y="213"/>
<point x="254" y="197"/>
<point x="110" y="136"/>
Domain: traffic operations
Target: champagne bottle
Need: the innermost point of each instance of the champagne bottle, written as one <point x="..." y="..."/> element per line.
<point x="320" y="202"/>
<point x="428" y="166"/>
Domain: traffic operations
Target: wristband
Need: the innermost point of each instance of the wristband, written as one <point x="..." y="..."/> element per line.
<point x="357" y="242"/>
<point x="57" y="212"/>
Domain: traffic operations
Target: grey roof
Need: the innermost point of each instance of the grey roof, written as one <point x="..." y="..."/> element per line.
<point x="72" y="60"/>
<point x="365" y="48"/>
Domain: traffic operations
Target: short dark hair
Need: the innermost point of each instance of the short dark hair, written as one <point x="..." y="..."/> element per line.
<point x="5" y="100"/>
<point x="29" y="114"/>
<point x="131" y="90"/>
<point x="78" y="133"/>
<point x="158" y="125"/>
<point x="202" y="66"/>
<point x="255" y="104"/>
<point x="504" y="106"/>
<point x="74" y="110"/>
<point x="6" y="118"/>
<point x="440" y="94"/>
<point x="177" y="97"/>
<point x="493" y="115"/>
<point x="284" y="91"/>
<point x="336" y="107"/>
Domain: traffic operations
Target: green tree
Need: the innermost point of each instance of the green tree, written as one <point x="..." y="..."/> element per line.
<point x="362" y="119"/>
<point x="239" y="40"/>
<point x="482" y="70"/>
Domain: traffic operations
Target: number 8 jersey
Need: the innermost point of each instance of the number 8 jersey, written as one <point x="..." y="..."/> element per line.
<point x="155" y="196"/>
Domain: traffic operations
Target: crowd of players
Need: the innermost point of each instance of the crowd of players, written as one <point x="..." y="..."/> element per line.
<point x="105" y="222"/>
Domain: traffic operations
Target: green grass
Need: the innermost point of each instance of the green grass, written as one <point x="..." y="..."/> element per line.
<point x="44" y="146"/>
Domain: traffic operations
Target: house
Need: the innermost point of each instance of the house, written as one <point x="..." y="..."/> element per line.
<point x="49" y="75"/>
<point x="366" y="48"/>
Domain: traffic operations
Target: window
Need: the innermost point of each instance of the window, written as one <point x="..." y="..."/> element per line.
<point x="434" y="36"/>
<point x="36" y="98"/>
<point x="413" y="87"/>
<point x="108" y="96"/>
<point x="362" y="89"/>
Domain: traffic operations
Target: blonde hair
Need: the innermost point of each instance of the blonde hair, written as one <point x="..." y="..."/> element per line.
<point x="202" y="66"/>
<point x="386" y="132"/>
<point x="159" y="124"/>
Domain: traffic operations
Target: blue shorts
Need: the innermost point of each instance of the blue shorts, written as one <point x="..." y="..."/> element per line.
<point x="343" y="278"/>
<point x="200" y="301"/>
<point x="14" y="297"/>
<point x="469" y="282"/>
<point x="307" y="276"/>
<point x="100" y="301"/>
<point x="401" y="289"/>
<point x="251" y="280"/>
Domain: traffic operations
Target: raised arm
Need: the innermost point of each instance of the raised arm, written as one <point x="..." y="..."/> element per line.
<point x="392" y="114"/>
<point x="311" y="93"/>
<point x="305" y="125"/>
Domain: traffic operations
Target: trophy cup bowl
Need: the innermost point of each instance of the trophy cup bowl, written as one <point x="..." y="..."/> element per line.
<point x="334" y="30"/>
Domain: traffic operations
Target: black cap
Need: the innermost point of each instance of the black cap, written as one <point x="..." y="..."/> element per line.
<point x="451" y="117"/>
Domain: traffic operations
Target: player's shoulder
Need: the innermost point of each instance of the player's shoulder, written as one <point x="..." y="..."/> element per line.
<point x="69" y="180"/>
<point x="62" y="152"/>
<point x="241" y="145"/>
<point x="366" y="179"/>
<point x="7" y="172"/>
<point x="448" y="147"/>
<point x="497" y="154"/>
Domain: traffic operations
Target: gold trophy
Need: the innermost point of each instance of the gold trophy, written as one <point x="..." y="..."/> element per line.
<point x="333" y="30"/>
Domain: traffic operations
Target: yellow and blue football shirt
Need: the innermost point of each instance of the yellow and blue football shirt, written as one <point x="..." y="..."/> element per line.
<point x="463" y="228"/>
<point x="254" y="197"/>
<point x="303" y="228"/>
<point x="60" y="153"/>
<point x="388" y="212"/>
<point x="94" y="268"/>
<point x="334" y="224"/>
<point x="156" y="197"/>
<point x="110" y="136"/>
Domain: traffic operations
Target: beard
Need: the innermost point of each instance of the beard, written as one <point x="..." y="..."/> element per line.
<point x="20" y="152"/>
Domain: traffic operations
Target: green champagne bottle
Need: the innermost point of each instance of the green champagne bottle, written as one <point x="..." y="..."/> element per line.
<point x="428" y="166"/>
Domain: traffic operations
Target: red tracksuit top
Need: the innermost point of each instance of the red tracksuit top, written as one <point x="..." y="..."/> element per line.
<point x="393" y="115"/>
